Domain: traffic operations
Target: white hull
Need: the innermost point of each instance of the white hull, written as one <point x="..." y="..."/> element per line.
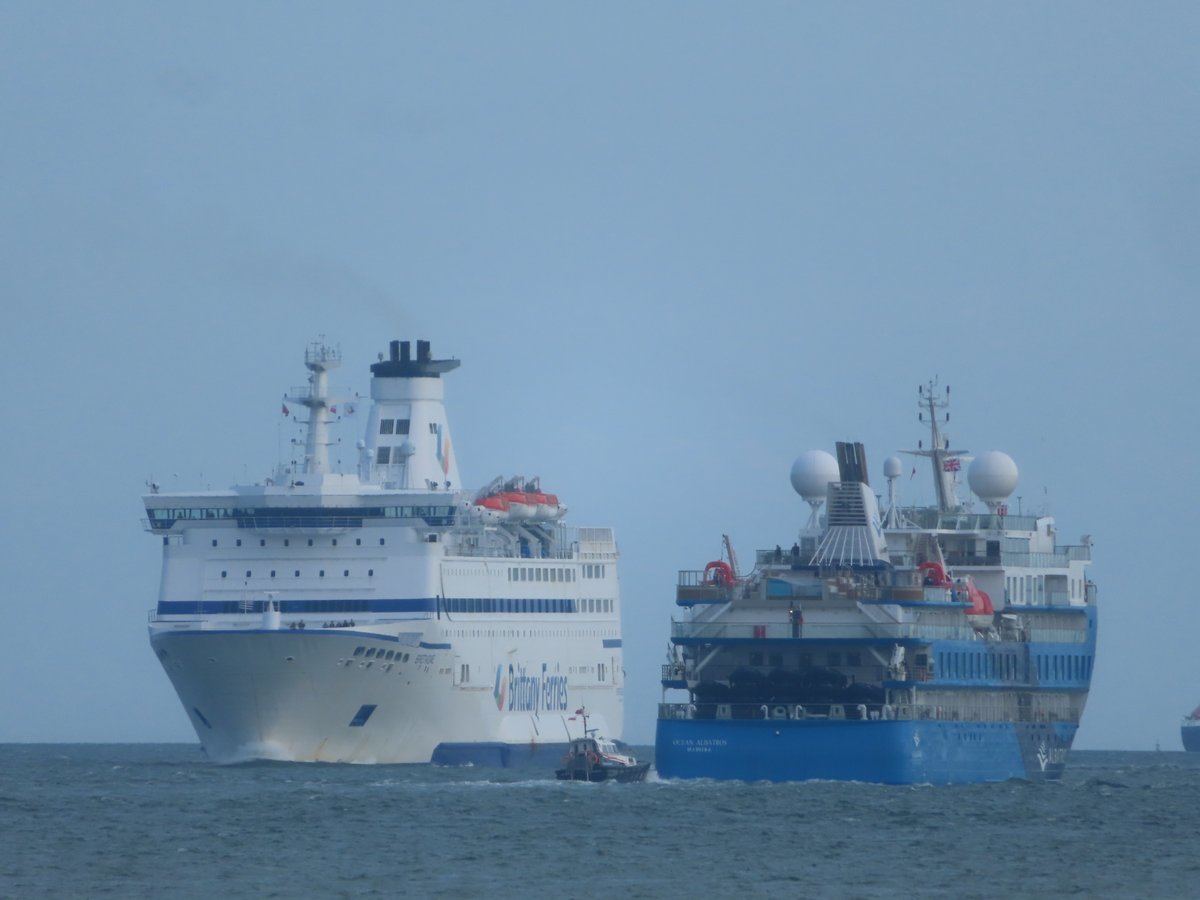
<point x="294" y="694"/>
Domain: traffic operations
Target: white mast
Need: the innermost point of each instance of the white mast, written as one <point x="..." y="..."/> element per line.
<point x="319" y="359"/>
<point x="944" y="460"/>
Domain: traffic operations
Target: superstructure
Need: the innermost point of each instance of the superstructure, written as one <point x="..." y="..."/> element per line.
<point x="938" y="644"/>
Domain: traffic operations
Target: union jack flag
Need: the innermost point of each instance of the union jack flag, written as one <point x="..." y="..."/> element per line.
<point x="953" y="464"/>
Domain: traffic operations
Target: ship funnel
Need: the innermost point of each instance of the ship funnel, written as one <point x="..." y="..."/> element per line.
<point x="852" y="462"/>
<point x="854" y="534"/>
<point x="423" y="351"/>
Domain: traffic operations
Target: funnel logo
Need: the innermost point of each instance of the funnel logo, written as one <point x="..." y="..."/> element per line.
<point x="500" y="691"/>
<point x="443" y="451"/>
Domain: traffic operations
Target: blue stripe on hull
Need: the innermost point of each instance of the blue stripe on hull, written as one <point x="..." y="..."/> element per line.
<point x="498" y="755"/>
<point x="888" y="752"/>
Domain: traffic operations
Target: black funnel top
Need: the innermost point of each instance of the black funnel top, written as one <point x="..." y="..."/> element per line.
<point x="400" y="363"/>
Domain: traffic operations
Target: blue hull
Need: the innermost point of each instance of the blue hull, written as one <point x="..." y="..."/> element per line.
<point x="887" y="752"/>
<point x="1191" y="737"/>
<point x="494" y="754"/>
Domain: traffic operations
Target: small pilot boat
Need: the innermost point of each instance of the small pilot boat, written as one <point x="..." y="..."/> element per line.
<point x="593" y="758"/>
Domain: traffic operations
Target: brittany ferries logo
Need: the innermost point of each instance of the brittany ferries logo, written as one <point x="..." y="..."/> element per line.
<point x="517" y="691"/>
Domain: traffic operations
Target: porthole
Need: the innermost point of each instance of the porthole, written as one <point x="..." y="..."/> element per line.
<point x="262" y="542"/>
<point x="310" y="542"/>
<point x="346" y="572"/>
<point x="247" y="573"/>
<point x="272" y="573"/>
<point x="335" y="542"/>
<point x="239" y="542"/>
<point x="381" y="542"/>
<point x="297" y="573"/>
<point x="358" y="542"/>
<point x="214" y="543"/>
<point x="322" y="573"/>
<point x="223" y="573"/>
<point x="370" y="572"/>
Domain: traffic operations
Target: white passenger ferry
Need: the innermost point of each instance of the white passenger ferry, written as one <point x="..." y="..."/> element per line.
<point x="388" y="614"/>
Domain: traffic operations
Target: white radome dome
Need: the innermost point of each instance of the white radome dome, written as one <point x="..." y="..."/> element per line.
<point x="811" y="473"/>
<point x="892" y="467"/>
<point x="992" y="476"/>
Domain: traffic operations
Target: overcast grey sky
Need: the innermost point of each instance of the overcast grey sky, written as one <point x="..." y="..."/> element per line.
<point x="674" y="244"/>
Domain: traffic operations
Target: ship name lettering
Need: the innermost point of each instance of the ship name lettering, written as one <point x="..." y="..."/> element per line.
<point x="537" y="692"/>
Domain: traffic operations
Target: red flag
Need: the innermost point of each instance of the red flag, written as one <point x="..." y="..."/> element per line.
<point x="579" y="712"/>
<point x="285" y="410"/>
<point x="333" y="409"/>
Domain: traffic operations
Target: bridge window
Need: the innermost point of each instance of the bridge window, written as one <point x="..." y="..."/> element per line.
<point x="383" y="455"/>
<point x="387" y="426"/>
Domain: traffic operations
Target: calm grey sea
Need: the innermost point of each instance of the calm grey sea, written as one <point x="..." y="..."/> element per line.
<point x="160" y="821"/>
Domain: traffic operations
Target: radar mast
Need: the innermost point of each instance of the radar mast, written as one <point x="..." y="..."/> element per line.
<point x="945" y="462"/>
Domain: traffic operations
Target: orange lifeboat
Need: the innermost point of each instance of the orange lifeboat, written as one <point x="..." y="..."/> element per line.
<point x="934" y="574"/>
<point x="981" y="614"/>
<point x="519" y="504"/>
<point x="493" y="506"/>
<point x="718" y="573"/>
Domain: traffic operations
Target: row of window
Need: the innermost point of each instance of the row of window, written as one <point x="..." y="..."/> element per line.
<point x="393" y="426"/>
<point x="372" y="652"/>
<point x="1005" y="667"/>
<point x="287" y="542"/>
<point x="320" y="573"/>
<point x="540" y="573"/>
<point x="264" y="516"/>
<point x="527" y="605"/>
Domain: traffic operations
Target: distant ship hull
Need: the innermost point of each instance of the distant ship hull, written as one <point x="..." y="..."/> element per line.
<point x="1191" y="736"/>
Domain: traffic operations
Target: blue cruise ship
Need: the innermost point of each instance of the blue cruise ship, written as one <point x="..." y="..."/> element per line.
<point x="937" y="644"/>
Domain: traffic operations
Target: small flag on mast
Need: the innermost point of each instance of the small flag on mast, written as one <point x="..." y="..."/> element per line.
<point x="285" y="410"/>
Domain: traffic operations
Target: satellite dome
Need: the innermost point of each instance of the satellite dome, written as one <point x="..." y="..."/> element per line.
<point x="811" y="472"/>
<point x="892" y="467"/>
<point x="992" y="476"/>
<point x="406" y="449"/>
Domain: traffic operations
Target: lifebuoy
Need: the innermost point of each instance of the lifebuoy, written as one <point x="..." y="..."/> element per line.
<point x="593" y="758"/>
